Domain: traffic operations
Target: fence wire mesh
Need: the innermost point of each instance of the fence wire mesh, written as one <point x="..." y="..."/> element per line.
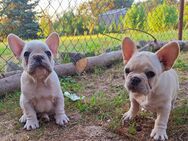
<point x="89" y="27"/>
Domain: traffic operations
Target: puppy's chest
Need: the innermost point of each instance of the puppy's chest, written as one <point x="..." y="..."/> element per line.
<point x="43" y="99"/>
<point x="147" y="103"/>
<point x="44" y="103"/>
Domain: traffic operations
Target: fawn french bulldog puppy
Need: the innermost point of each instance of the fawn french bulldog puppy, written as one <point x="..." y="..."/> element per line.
<point x="151" y="82"/>
<point x="40" y="86"/>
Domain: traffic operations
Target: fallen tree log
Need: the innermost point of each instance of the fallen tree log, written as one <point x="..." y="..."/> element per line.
<point x="11" y="83"/>
<point x="7" y="74"/>
<point x="154" y="46"/>
<point x="103" y="60"/>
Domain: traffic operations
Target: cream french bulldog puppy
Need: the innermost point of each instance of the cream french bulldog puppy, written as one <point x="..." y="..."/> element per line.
<point x="151" y="83"/>
<point x="40" y="86"/>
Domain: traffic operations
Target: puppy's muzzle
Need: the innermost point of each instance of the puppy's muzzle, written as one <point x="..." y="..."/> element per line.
<point x="38" y="61"/>
<point x="133" y="84"/>
<point x="38" y="58"/>
<point x="135" y="81"/>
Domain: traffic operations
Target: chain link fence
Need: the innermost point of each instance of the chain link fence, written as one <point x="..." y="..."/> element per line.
<point x="88" y="27"/>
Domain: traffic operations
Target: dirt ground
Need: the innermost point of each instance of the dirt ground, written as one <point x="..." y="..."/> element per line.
<point x="86" y="124"/>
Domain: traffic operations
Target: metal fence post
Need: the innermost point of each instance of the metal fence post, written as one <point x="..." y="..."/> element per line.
<point x="180" y="24"/>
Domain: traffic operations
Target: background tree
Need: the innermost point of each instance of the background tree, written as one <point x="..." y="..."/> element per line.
<point x="78" y="25"/>
<point x="163" y="17"/>
<point x="90" y="11"/>
<point x="45" y="24"/>
<point x="65" y="24"/>
<point x="69" y="24"/>
<point x="185" y="18"/>
<point x="149" y="5"/>
<point x="20" y="17"/>
<point x="135" y="17"/>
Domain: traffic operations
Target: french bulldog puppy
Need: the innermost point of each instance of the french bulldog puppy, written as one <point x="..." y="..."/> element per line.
<point x="40" y="87"/>
<point x="151" y="82"/>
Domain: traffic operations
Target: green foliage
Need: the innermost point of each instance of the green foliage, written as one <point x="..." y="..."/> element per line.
<point x="180" y="114"/>
<point x="116" y="26"/>
<point x="132" y="128"/>
<point x="99" y="28"/>
<point x="10" y="103"/>
<point x="90" y="11"/>
<point x="69" y="84"/>
<point x="79" y="25"/>
<point x="185" y="17"/>
<point x="120" y="23"/>
<point x="66" y="20"/>
<point x="100" y="105"/>
<point x="69" y="24"/>
<point x="135" y="17"/>
<point x="181" y="64"/>
<point x="163" y="17"/>
<point x="45" y="25"/>
<point x="19" y="18"/>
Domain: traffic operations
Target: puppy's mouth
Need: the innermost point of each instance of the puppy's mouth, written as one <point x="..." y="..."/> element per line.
<point x="132" y="88"/>
<point x="138" y="89"/>
<point x="37" y="65"/>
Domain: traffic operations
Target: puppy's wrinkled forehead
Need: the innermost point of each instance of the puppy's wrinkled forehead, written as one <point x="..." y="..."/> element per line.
<point x="36" y="46"/>
<point x="143" y="61"/>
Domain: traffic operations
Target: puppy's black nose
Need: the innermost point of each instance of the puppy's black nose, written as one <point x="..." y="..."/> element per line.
<point x="135" y="81"/>
<point x="38" y="58"/>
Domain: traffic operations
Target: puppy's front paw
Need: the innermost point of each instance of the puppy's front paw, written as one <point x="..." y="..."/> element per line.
<point x="31" y="124"/>
<point x="61" y="119"/>
<point x="127" y="116"/>
<point x="159" y="134"/>
<point x="23" y="119"/>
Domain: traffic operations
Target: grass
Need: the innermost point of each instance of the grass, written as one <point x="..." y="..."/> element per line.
<point x="69" y="84"/>
<point x="180" y="115"/>
<point x="9" y="103"/>
<point x="181" y="62"/>
<point x="101" y="105"/>
<point x="98" y="108"/>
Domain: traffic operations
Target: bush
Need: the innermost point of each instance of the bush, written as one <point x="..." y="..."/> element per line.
<point x="163" y="17"/>
<point x="135" y="17"/>
<point x="185" y="18"/>
<point x="45" y="25"/>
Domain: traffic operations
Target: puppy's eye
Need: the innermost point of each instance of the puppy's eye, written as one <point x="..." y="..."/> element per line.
<point x="150" y="74"/>
<point x="26" y="54"/>
<point x="127" y="70"/>
<point x="48" y="53"/>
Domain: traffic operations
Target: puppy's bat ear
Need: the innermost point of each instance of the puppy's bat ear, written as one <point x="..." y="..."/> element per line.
<point x="16" y="44"/>
<point x="128" y="49"/>
<point x="53" y="42"/>
<point x="168" y="54"/>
